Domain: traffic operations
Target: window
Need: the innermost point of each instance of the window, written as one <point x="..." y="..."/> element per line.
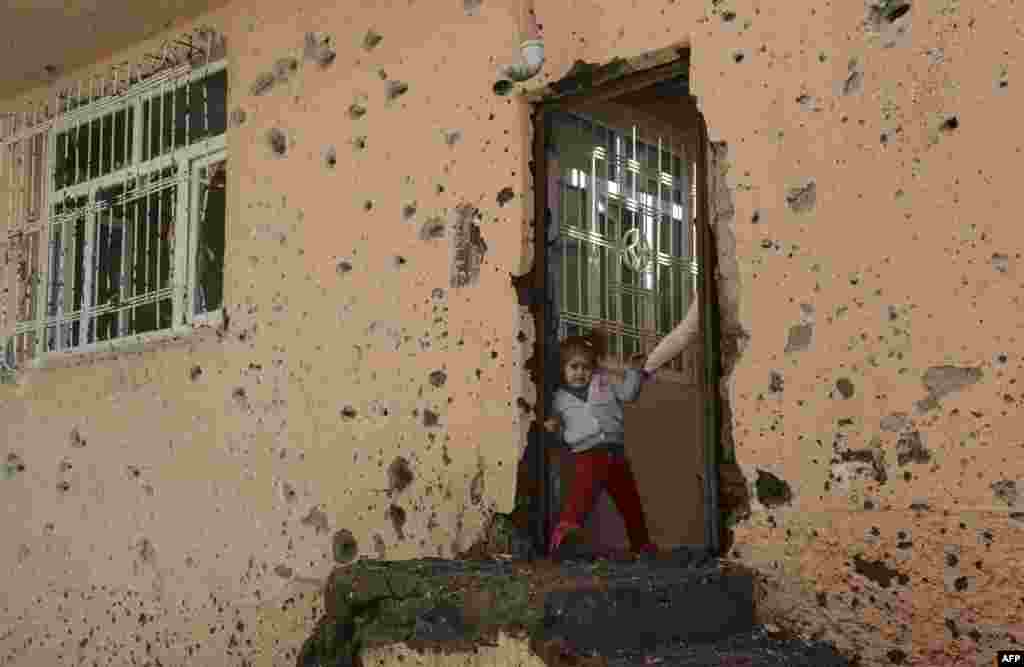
<point x="625" y="259"/>
<point x="118" y="212"/>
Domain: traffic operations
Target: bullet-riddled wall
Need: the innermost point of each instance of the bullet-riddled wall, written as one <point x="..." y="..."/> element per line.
<point x="184" y="499"/>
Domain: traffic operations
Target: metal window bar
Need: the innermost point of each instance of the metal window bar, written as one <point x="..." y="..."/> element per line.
<point x="152" y="216"/>
<point x="31" y="154"/>
<point x="630" y="186"/>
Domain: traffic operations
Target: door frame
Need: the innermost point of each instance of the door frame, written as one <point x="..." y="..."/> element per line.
<point x="536" y="287"/>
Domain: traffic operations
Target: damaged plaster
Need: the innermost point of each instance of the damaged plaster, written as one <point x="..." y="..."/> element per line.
<point x="889" y="421"/>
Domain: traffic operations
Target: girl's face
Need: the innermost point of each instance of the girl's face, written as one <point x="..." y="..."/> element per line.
<point x="578" y="371"/>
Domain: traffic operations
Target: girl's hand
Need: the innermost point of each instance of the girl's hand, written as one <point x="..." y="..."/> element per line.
<point x="551" y="424"/>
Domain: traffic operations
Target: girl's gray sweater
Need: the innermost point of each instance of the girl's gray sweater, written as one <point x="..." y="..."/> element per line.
<point x="599" y="420"/>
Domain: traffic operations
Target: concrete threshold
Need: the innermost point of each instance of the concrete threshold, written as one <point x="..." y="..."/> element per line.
<point x="500" y="611"/>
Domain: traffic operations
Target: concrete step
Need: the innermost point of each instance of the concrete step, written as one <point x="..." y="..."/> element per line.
<point x="644" y="604"/>
<point x="754" y="648"/>
<point x="612" y="608"/>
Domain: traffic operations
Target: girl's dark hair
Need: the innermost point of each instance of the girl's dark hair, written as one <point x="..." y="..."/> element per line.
<point x="593" y="346"/>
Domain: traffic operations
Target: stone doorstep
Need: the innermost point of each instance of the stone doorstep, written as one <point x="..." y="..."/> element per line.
<point x="652" y="609"/>
<point x="450" y="606"/>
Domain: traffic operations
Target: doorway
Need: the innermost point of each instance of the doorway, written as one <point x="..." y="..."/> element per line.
<point x="619" y="183"/>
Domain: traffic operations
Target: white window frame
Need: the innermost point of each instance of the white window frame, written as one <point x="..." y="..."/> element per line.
<point x="189" y="160"/>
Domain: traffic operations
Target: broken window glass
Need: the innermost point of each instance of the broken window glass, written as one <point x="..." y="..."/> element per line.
<point x="209" y="292"/>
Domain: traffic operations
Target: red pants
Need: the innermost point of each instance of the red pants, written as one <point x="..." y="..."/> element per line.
<point x="595" y="471"/>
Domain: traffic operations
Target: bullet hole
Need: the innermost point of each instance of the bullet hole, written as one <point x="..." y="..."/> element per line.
<point x="1006" y="491"/>
<point x="800" y="336"/>
<point x="756" y="218"/>
<point x="1000" y="262"/>
<point x="283" y="571"/>
<point x="356" y="111"/>
<point x="772" y="491"/>
<point x="897" y="656"/>
<point x="854" y="80"/>
<point x="397" y="517"/>
<point x="315" y="519"/>
<point x="348" y="413"/>
<point x="343" y="267"/>
<point x="319" y="49"/>
<point x="195" y="373"/>
<point x="503" y="87"/>
<point x="737" y="57"/>
<point x="238" y="117"/>
<point x="399" y="261"/>
<point x="471" y="7"/>
<point x="396" y="89"/>
<point x="430" y="418"/>
<point x="51" y="70"/>
<point x="869" y="505"/>
<point x="844" y="387"/>
<point x="802" y="199"/>
<point x="145" y="550"/>
<point x="284" y="68"/>
<point x="940" y="381"/>
<point x="238" y="394"/>
<point x="344" y="546"/>
<point x="961" y="584"/>
<point x="521" y="337"/>
<point x="910" y="449"/>
<point x="379" y="547"/>
<point x="262" y="84"/>
<point x="277" y="141"/>
<point x="949" y="124"/>
<point x="400" y="475"/>
<point x="438" y="378"/>
<point x="452" y="137"/>
<point x="878" y="572"/>
<point x="371" y="39"/>
<point x="13" y="466"/>
<point x="76" y="438"/>
<point x="505" y="195"/>
<point x="368" y="205"/>
<point x="382" y="74"/>
<point x="331" y="158"/>
<point x="775" y="382"/>
<point x="728" y="16"/>
<point x="432" y="230"/>
<point x="288" y="492"/>
<point x="408" y="211"/>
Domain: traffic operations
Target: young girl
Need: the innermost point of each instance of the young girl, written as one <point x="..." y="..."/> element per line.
<point x="588" y="409"/>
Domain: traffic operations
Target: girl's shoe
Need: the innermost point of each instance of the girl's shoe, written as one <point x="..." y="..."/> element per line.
<point x="571" y="546"/>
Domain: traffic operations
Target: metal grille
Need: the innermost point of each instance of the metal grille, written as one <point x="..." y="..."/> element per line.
<point x="626" y="242"/>
<point x="98" y="193"/>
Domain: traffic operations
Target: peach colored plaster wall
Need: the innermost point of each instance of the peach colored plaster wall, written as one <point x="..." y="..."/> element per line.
<point x="178" y="537"/>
